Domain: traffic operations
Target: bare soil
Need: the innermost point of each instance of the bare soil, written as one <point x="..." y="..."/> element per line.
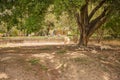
<point x="59" y="62"/>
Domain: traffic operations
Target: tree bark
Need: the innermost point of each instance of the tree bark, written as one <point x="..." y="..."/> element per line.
<point x="87" y="26"/>
<point x="83" y="41"/>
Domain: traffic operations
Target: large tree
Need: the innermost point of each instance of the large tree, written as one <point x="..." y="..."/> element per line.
<point x="86" y="17"/>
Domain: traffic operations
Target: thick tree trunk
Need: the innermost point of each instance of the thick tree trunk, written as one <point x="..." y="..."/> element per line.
<point x="83" y="41"/>
<point x="87" y="26"/>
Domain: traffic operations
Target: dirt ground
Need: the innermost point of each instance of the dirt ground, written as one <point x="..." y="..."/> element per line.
<point x="59" y="62"/>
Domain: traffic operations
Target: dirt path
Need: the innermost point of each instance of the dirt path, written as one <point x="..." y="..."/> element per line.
<point x="59" y="62"/>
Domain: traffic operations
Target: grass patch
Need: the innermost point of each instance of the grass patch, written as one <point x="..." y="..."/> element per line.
<point x="61" y="51"/>
<point x="34" y="61"/>
<point x="43" y="67"/>
<point x="81" y="60"/>
<point x="102" y="57"/>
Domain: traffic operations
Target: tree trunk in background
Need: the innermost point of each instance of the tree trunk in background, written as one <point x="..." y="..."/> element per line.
<point x="87" y="26"/>
<point x="99" y="33"/>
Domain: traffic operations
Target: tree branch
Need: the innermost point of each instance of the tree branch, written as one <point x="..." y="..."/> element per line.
<point x="96" y="8"/>
<point x="77" y="15"/>
<point x="98" y="25"/>
<point x="96" y="20"/>
<point x="84" y="14"/>
<point x="87" y="1"/>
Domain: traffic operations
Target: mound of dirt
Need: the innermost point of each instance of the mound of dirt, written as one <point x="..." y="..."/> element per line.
<point x="55" y="62"/>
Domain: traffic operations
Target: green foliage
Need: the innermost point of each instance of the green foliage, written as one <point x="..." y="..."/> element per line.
<point x="32" y="24"/>
<point x="6" y="4"/>
<point x="70" y="6"/>
<point x="29" y="15"/>
<point x="33" y="11"/>
<point x="14" y="32"/>
<point x="113" y="26"/>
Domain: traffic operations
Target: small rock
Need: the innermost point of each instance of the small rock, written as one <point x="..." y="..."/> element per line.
<point x="65" y="65"/>
<point x="53" y="53"/>
<point x="52" y="61"/>
<point x="94" y="51"/>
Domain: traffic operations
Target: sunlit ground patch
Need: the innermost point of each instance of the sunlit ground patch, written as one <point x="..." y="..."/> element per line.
<point x="3" y="76"/>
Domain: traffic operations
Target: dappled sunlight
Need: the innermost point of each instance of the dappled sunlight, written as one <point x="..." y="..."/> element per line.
<point x="82" y="71"/>
<point x="85" y="72"/>
<point x="43" y="55"/>
<point x="3" y="76"/>
<point x="9" y="51"/>
<point x="59" y="40"/>
<point x="31" y="44"/>
<point x="106" y="76"/>
<point x="66" y="61"/>
<point x="77" y="54"/>
<point x="6" y="58"/>
<point x="94" y="52"/>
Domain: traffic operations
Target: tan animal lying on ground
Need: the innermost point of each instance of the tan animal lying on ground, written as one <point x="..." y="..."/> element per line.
<point x="103" y="46"/>
<point x="66" y="40"/>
